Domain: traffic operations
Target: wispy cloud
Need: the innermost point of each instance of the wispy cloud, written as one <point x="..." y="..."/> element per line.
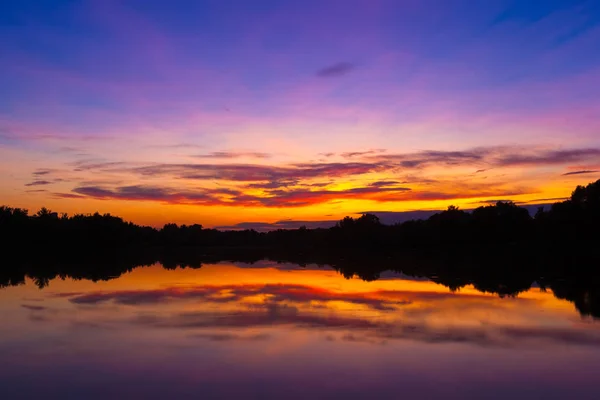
<point x="501" y="156"/>
<point x="548" y="157"/>
<point x="250" y="172"/>
<point x="431" y="157"/>
<point x="351" y="154"/>
<point x="175" y="146"/>
<point x="335" y="70"/>
<point x="91" y="165"/>
<point x="583" y="172"/>
<point x="384" y="183"/>
<point x="50" y="137"/>
<point x="553" y="199"/>
<point x="231" y="197"/>
<point x="231" y="154"/>
<point x="67" y="196"/>
<point x="41" y="172"/>
<point x="372" y="161"/>
<point x="285" y="198"/>
<point x="38" y="183"/>
<point x="292" y="185"/>
<point x="154" y="193"/>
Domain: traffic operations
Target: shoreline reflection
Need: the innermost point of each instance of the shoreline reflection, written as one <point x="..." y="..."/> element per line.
<point x="192" y="332"/>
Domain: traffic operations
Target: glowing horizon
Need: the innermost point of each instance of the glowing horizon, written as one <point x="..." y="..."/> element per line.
<point x="201" y="112"/>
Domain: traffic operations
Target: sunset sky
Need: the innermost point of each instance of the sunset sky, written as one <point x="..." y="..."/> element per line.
<point x="223" y="112"/>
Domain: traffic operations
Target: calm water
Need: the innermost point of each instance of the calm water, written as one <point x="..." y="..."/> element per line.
<point x="267" y="331"/>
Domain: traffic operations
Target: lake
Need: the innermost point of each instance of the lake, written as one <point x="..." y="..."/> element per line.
<point x="272" y="331"/>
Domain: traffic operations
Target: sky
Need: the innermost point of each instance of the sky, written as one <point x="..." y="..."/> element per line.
<point x="281" y="112"/>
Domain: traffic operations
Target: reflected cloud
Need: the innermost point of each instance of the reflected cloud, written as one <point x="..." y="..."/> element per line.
<point x="274" y="293"/>
<point x="230" y="337"/>
<point x="267" y="315"/>
<point x="264" y="306"/>
<point x="250" y="312"/>
<point x="33" y="307"/>
<point x="372" y="330"/>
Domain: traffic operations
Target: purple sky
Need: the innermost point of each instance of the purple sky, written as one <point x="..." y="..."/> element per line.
<point x="233" y="111"/>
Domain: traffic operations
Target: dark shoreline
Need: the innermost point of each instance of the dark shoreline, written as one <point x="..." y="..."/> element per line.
<point x="499" y="248"/>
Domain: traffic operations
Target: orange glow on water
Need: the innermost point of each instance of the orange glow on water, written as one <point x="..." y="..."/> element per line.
<point x="223" y="322"/>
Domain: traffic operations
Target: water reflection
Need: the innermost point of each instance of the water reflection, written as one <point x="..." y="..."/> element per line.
<point x="505" y="271"/>
<point x="271" y="331"/>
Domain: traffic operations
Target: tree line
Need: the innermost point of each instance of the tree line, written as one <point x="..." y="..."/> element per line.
<point x="571" y="222"/>
<point x="499" y="248"/>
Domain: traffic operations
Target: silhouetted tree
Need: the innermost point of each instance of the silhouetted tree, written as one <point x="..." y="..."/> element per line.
<point x="557" y="244"/>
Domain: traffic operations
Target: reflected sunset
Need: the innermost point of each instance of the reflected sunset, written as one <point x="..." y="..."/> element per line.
<point x="273" y="319"/>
